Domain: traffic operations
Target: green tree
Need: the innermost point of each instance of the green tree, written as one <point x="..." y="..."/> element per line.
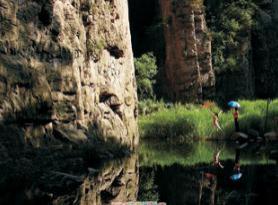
<point x="231" y="22"/>
<point x="145" y="70"/>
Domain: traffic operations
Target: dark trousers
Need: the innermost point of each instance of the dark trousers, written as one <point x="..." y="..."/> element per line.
<point x="236" y="125"/>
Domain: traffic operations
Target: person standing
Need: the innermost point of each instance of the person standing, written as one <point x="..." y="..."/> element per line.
<point x="215" y="120"/>
<point x="236" y="114"/>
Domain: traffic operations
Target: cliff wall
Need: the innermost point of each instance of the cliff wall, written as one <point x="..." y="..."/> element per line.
<point x="66" y="70"/>
<point x="188" y="65"/>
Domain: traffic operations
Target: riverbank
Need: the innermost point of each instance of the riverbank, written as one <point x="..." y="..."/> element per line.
<point x="185" y="123"/>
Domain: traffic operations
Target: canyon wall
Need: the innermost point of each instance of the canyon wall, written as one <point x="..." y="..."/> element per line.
<point x="188" y="67"/>
<point x="66" y="71"/>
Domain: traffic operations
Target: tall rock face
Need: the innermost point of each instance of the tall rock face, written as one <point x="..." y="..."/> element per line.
<point x="188" y="65"/>
<point x="66" y="70"/>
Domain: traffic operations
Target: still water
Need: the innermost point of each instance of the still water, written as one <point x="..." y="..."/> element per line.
<point x="185" y="174"/>
<point x="159" y="171"/>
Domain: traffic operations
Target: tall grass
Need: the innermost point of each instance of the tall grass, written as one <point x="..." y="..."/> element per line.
<point x="188" y="122"/>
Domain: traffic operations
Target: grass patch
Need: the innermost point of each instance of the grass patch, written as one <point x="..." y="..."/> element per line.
<point x="95" y="48"/>
<point x="185" y="123"/>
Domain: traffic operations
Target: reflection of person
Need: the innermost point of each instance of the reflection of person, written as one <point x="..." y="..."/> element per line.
<point x="236" y="114"/>
<point x="216" y="160"/>
<point x="237" y="164"/>
<point x="236" y="174"/>
<point x="208" y="181"/>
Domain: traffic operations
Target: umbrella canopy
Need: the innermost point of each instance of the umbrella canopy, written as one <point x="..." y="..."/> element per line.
<point x="234" y="104"/>
<point x="236" y="176"/>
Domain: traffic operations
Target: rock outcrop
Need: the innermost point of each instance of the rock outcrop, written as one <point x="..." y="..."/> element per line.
<point x="188" y="66"/>
<point x="66" y="70"/>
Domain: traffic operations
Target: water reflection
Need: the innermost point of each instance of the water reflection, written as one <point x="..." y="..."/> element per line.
<point x="211" y="174"/>
<point x="176" y="176"/>
<point x="114" y="181"/>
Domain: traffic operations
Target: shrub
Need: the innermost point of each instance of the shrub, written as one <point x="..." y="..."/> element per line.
<point x="149" y="106"/>
<point x="95" y="48"/>
<point x="145" y="70"/>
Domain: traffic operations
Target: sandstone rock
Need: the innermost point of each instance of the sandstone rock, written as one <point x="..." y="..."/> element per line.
<point x="189" y="73"/>
<point x="65" y="61"/>
<point x="69" y="134"/>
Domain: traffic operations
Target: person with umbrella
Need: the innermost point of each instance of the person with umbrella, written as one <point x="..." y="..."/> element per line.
<point x="236" y="106"/>
<point x="235" y="114"/>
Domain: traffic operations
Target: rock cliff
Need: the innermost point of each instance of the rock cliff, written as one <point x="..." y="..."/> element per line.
<point x="188" y="66"/>
<point x="66" y="71"/>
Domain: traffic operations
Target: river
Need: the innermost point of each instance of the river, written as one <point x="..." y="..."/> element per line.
<point x="184" y="174"/>
<point x="176" y="174"/>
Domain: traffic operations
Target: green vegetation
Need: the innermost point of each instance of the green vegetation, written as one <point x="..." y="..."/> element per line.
<point x="149" y="106"/>
<point x="184" y="123"/>
<point x="146" y="69"/>
<point x="165" y="154"/>
<point x="95" y="48"/>
<point x="230" y="28"/>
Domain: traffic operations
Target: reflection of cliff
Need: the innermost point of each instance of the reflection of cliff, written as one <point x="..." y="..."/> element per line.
<point x="67" y="67"/>
<point x="63" y="177"/>
<point x="116" y="182"/>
